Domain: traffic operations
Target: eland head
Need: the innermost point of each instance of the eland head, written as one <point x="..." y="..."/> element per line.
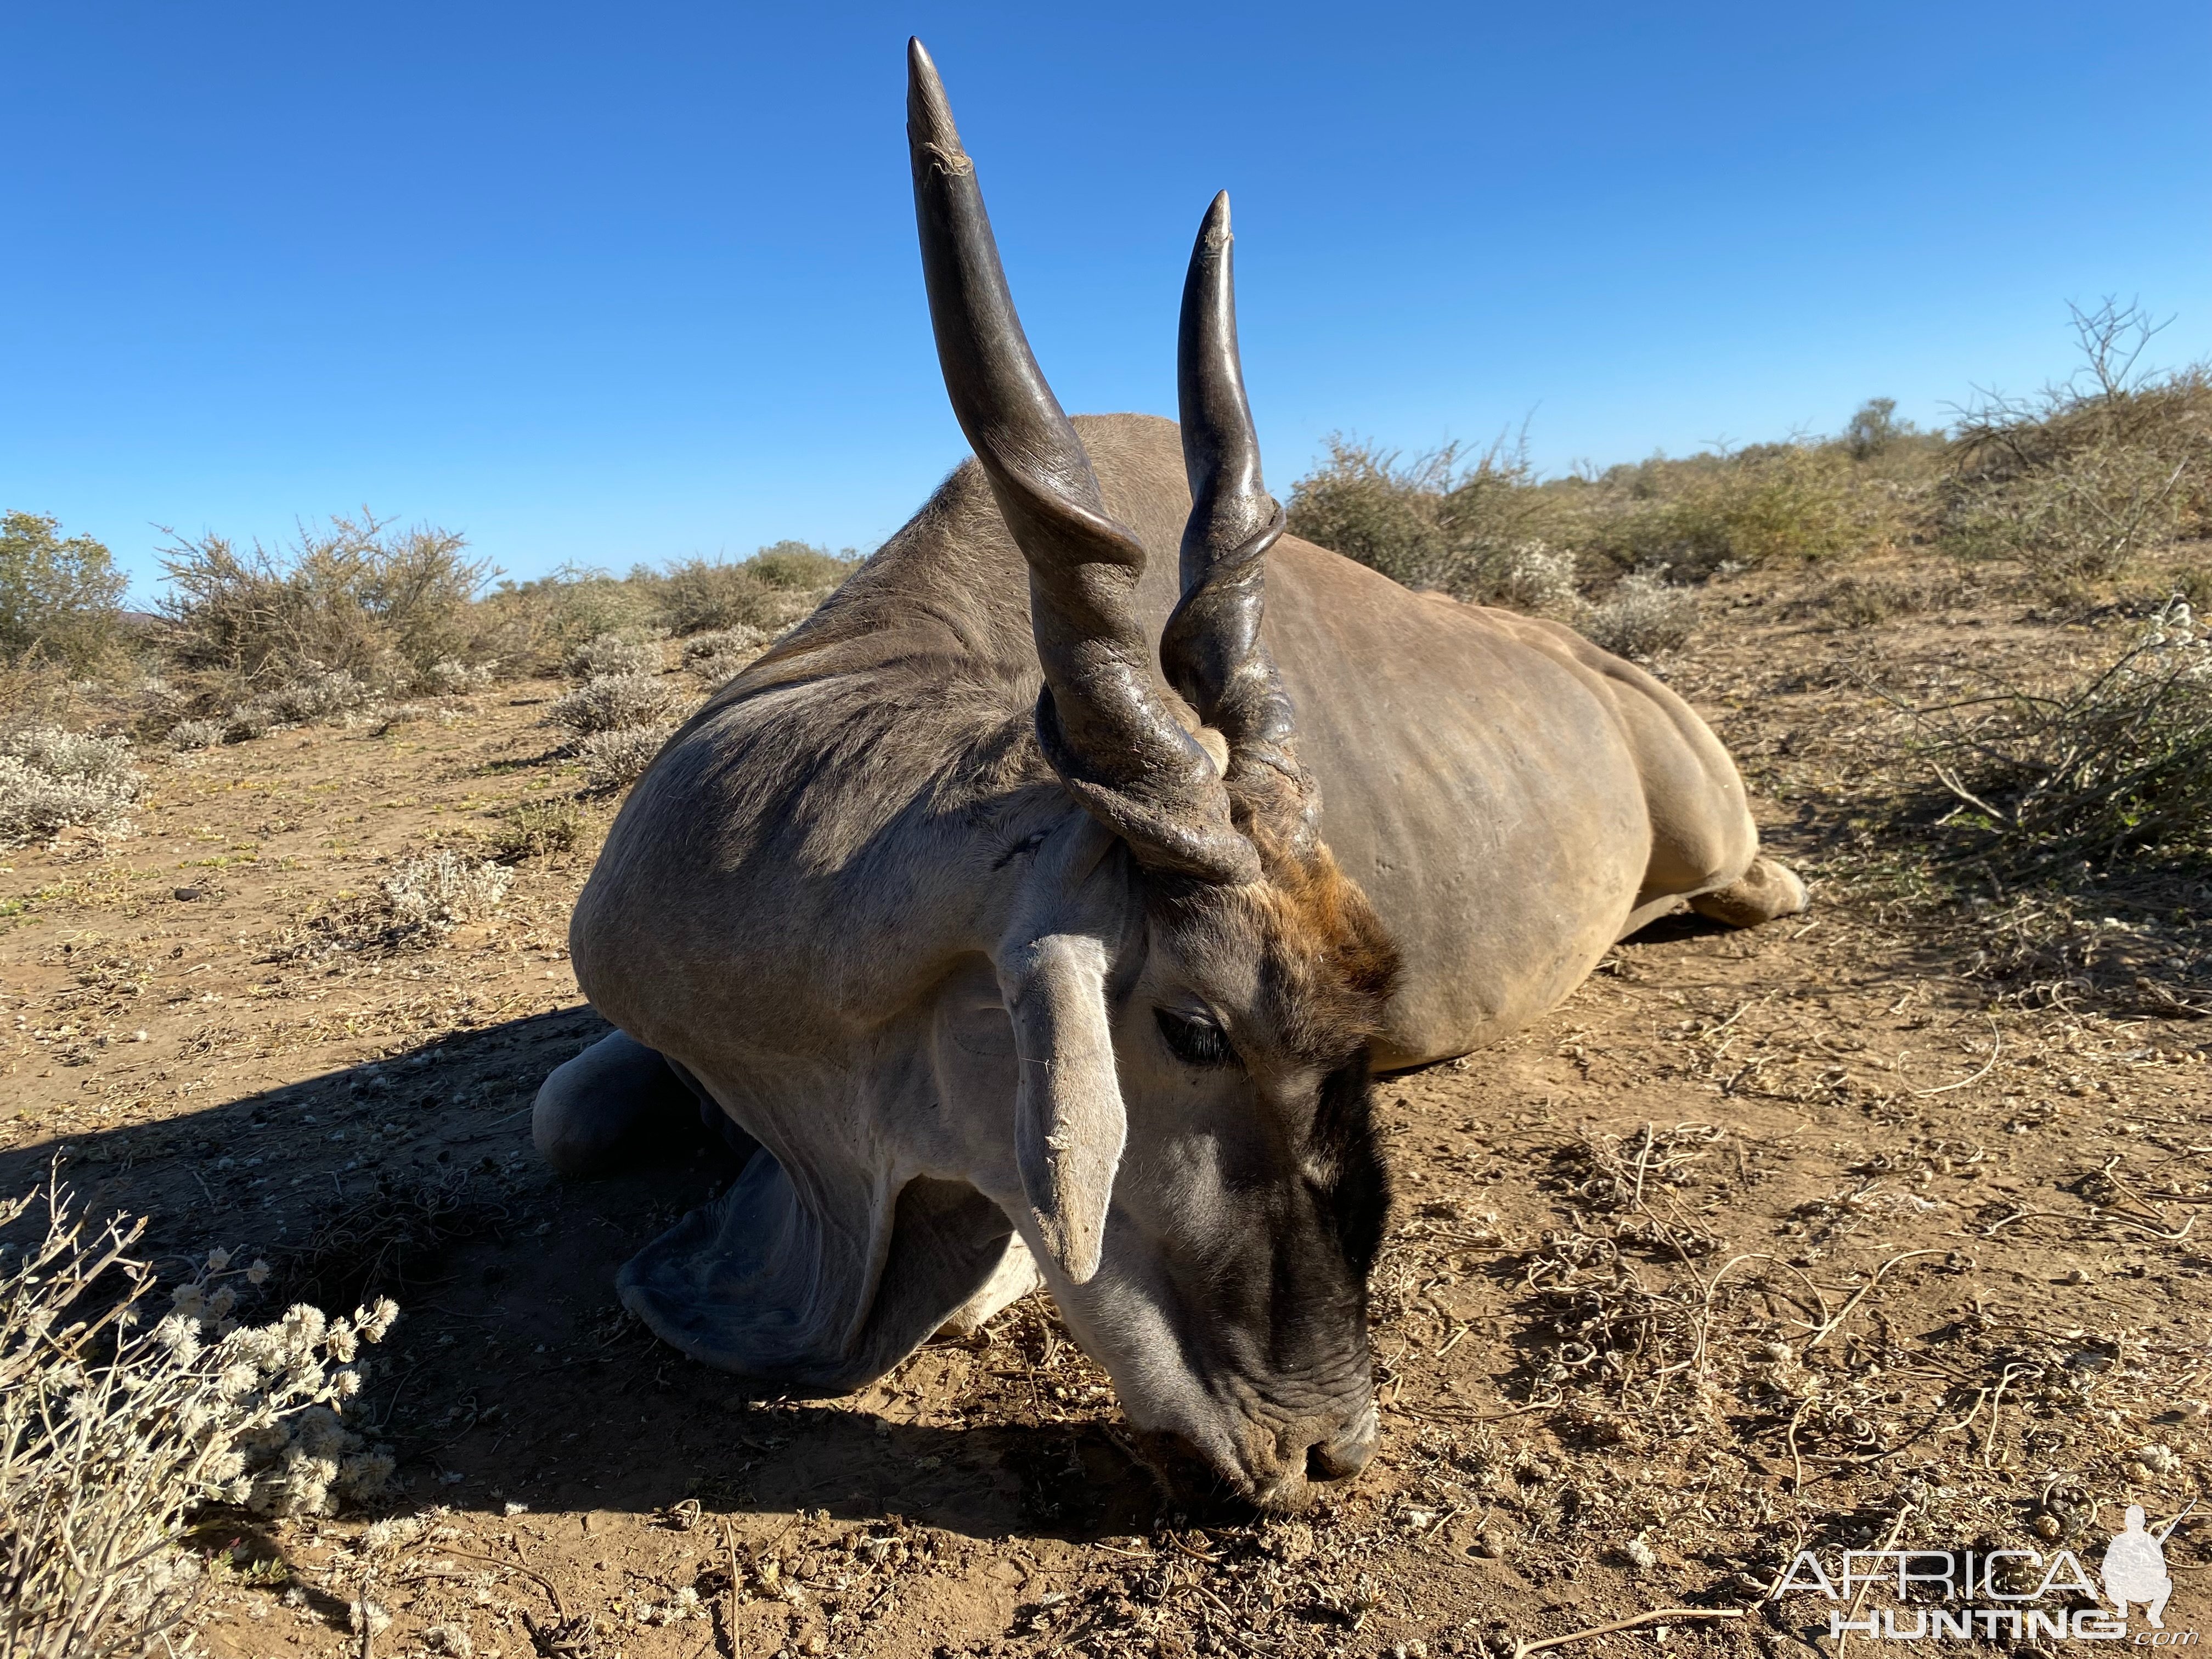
<point x="1192" y="984"/>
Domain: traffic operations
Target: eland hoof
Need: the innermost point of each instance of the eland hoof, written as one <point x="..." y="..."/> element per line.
<point x="1766" y="891"/>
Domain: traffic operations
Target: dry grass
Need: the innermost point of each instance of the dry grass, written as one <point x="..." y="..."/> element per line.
<point x="2114" y="764"/>
<point x="538" y="829"/>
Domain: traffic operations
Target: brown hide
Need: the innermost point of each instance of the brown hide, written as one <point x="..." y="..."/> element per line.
<point x="1508" y="797"/>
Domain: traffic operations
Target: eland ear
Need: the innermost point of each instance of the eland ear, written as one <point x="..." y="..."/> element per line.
<point x="1069" y="1122"/>
<point x="1053" y="961"/>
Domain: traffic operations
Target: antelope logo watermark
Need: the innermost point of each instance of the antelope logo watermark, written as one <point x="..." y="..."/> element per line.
<point x="1961" y="1594"/>
<point x="2135" y="1568"/>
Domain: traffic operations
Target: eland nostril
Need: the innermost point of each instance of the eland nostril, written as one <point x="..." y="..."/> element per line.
<point x="1347" y="1452"/>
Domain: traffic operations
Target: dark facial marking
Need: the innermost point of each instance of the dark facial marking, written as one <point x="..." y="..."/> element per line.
<point x="1359" y="1197"/>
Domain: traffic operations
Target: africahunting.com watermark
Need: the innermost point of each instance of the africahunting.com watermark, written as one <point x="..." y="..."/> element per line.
<point x="1963" y="1595"/>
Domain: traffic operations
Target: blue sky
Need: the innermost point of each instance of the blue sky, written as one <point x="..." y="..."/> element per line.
<point x="603" y="285"/>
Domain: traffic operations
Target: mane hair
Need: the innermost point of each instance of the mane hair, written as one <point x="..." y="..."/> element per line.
<point x="1327" y="968"/>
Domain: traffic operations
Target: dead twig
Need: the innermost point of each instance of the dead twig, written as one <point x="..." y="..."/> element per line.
<point x="730" y="1611"/>
<point x="1861" y="1294"/>
<point x="560" y="1611"/>
<point x="1522" y="1649"/>
<point x="1996" y="1048"/>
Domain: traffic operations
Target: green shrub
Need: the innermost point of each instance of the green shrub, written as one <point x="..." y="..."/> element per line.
<point x="533" y="626"/>
<point x="1874" y="430"/>
<point x="772" y="590"/>
<point x="1435" y="522"/>
<point x="2084" y="515"/>
<point x="1363" y="504"/>
<point x="60" y="599"/>
<point x="2074" y="482"/>
<point x="538" y="829"/>
<point x="380" y="603"/>
<point x="696" y="595"/>
<point x="1489" y="531"/>
<point x="541" y="622"/>
<point x="799" y="565"/>
<point x="1757" y="506"/>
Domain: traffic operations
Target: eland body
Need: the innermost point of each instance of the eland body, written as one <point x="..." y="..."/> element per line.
<point x="1044" y="903"/>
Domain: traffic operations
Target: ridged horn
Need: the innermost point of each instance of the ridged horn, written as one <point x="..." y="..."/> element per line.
<point x="1103" y="725"/>
<point x="1211" y="648"/>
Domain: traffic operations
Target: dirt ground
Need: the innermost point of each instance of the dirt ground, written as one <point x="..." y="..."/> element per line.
<point x="1801" y="1238"/>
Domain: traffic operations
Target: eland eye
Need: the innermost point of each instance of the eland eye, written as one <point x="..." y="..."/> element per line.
<point x="1194" y="1039"/>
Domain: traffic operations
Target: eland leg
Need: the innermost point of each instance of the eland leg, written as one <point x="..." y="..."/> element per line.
<point x="1704" y="847"/>
<point x="1014" y="1277"/>
<point x="615" y="1099"/>
<point x="757" y="1282"/>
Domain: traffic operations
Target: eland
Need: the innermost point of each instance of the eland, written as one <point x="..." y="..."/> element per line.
<point x="1042" y="907"/>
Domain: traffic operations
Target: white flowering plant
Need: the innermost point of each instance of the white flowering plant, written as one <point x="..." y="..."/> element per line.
<point x="115" y="1428"/>
<point x="1645" y="617"/>
<point x="441" y="890"/>
<point x="614" y="702"/>
<point x="607" y="654"/>
<point x="616" y="760"/>
<point x="50" y="780"/>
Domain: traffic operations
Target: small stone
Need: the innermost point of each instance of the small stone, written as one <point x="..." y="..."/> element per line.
<point x="185" y="895"/>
